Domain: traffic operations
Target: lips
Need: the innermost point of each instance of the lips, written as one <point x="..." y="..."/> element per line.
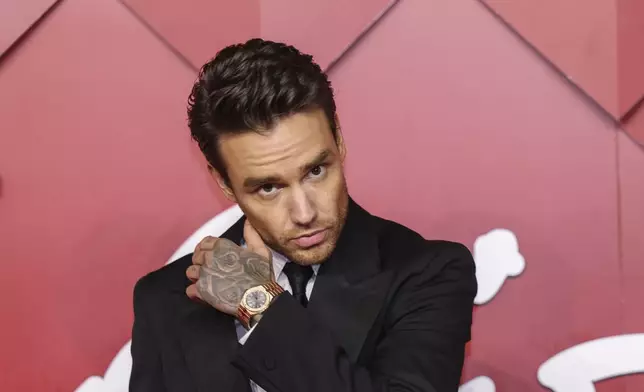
<point x="312" y="239"/>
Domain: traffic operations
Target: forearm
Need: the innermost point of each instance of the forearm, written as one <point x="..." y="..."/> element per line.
<point x="420" y="346"/>
<point x="289" y="351"/>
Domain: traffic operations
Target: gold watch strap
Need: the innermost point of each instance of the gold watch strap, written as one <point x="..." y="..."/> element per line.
<point x="273" y="288"/>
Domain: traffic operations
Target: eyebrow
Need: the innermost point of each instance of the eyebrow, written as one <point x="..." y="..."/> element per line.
<point x="322" y="156"/>
<point x="254" y="182"/>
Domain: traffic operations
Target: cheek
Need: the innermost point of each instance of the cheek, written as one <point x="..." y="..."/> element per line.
<point x="329" y="193"/>
<point x="274" y="229"/>
<point x="268" y="220"/>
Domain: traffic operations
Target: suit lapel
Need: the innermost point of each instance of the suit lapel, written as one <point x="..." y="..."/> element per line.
<point x="209" y="341"/>
<point x="350" y="289"/>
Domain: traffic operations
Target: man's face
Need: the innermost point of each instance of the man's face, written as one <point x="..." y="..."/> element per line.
<point x="289" y="182"/>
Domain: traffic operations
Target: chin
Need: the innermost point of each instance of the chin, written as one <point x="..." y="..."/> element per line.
<point x="315" y="255"/>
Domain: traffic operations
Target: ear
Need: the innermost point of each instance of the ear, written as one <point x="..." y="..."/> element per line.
<point x="223" y="185"/>
<point x="339" y="139"/>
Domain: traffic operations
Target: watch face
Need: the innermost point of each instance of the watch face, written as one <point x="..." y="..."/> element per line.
<point x="256" y="299"/>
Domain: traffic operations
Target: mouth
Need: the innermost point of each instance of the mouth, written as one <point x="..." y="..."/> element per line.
<point x="311" y="239"/>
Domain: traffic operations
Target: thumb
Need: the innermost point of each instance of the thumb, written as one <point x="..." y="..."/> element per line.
<point x="254" y="242"/>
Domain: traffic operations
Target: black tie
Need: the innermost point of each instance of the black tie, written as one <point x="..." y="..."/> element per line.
<point x="298" y="276"/>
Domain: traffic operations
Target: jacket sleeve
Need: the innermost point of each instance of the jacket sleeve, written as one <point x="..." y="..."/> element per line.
<point x="421" y="348"/>
<point x="147" y="375"/>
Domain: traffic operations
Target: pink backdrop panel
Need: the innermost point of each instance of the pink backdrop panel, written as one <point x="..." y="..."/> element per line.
<point x="475" y="132"/>
<point x="631" y="172"/>
<point x="197" y="29"/>
<point x="322" y="28"/>
<point x="635" y="126"/>
<point x="631" y="165"/>
<point x="630" y="32"/>
<point x="454" y="127"/>
<point x="17" y="16"/>
<point x="100" y="184"/>
<point x="578" y="36"/>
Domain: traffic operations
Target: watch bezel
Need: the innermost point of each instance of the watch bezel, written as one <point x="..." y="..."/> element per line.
<point x="262" y="308"/>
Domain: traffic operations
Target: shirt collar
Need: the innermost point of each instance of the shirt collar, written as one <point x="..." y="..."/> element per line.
<point x="279" y="261"/>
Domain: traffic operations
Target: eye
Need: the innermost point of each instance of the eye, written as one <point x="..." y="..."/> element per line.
<point x="267" y="190"/>
<point x="317" y="171"/>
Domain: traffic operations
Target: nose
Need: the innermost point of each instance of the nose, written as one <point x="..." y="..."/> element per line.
<point x="303" y="211"/>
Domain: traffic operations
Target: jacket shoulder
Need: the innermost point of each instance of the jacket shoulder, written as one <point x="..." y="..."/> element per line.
<point x="169" y="278"/>
<point x="402" y="247"/>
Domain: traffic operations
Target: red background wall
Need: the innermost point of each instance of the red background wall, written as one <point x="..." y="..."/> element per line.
<point x="458" y="120"/>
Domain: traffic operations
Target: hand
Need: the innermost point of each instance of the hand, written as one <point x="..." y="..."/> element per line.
<point x="222" y="271"/>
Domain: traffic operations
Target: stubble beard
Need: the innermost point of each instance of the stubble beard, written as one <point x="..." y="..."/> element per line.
<point x="319" y="254"/>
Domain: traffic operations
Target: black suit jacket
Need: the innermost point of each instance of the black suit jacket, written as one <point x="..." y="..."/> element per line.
<point x="390" y="311"/>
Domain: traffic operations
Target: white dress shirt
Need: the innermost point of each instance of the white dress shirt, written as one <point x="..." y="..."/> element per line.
<point x="279" y="261"/>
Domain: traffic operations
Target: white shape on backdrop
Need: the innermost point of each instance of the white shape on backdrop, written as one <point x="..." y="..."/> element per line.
<point x="117" y="376"/>
<point x="577" y="368"/>
<point x="478" y="384"/>
<point x="496" y="256"/>
<point x="214" y="227"/>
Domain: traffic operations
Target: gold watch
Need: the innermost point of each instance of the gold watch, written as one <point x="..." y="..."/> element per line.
<point x="256" y="300"/>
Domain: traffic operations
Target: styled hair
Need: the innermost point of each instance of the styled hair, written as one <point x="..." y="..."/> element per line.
<point x="250" y="86"/>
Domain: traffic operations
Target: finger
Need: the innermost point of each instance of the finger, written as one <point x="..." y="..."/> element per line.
<point x="193" y="272"/>
<point x="198" y="257"/>
<point x="192" y="292"/>
<point x="205" y="245"/>
<point x="254" y="242"/>
<point x="208" y="243"/>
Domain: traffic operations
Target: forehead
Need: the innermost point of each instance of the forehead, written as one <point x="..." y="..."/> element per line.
<point x="293" y="142"/>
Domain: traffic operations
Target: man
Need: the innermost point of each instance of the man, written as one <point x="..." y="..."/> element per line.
<point x="372" y="306"/>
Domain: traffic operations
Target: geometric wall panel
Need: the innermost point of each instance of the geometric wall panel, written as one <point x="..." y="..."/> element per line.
<point x="197" y="29"/>
<point x="630" y="52"/>
<point x="631" y="167"/>
<point x="545" y="169"/>
<point x="455" y="127"/>
<point x="17" y="16"/>
<point x="631" y="173"/>
<point x="598" y="45"/>
<point x="634" y="125"/>
<point x="95" y="156"/>
<point x="322" y="28"/>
